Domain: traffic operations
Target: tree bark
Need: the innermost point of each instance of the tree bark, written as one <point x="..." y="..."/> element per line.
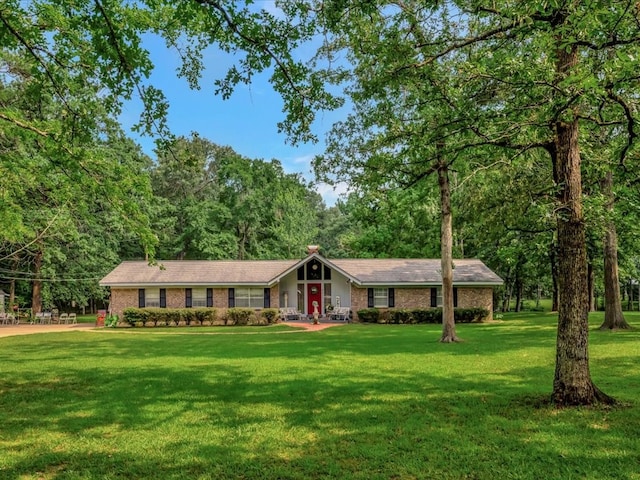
<point x="591" y="280"/>
<point x="446" y="253"/>
<point x="36" y="292"/>
<point x="572" y="384"/>
<point x="613" y="317"/>
<point x="553" y="258"/>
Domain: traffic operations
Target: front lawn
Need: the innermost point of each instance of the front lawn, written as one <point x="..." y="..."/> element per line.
<point x="350" y="402"/>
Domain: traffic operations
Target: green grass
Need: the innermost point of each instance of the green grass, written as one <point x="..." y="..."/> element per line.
<point x="351" y="402"/>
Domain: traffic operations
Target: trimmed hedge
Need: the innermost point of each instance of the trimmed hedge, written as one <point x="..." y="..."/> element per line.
<point x="198" y="316"/>
<point x="420" y="315"/>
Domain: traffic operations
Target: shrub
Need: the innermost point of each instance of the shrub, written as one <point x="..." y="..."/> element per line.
<point x="173" y="316"/>
<point x="270" y="314"/>
<point x="427" y="315"/>
<point x="111" y="321"/>
<point x="133" y="316"/>
<point x="205" y="315"/>
<point x="401" y="316"/>
<point x="168" y="316"/>
<point x="369" y="315"/>
<point x="189" y="316"/>
<point x="239" y="316"/>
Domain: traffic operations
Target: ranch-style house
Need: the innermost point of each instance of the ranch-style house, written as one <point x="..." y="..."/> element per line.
<point x="314" y="281"/>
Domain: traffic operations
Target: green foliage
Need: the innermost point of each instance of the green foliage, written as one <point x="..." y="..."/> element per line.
<point x="369" y="315"/>
<point x="111" y="321"/>
<point x="238" y="316"/>
<point x="169" y="316"/>
<point x="420" y="315"/>
<point x="210" y="205"/>
<point x="270" y="314"/>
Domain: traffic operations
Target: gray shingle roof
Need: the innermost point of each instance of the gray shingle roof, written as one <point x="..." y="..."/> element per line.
<point x="267" y="272"/>
<point x="197" y="272"/>
<point x="415" y="271"/>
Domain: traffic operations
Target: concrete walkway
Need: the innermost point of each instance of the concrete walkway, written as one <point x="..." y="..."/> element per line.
<point x="26" y="329"/>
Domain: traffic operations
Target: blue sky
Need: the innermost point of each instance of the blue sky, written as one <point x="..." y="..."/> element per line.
<point x="247" y="122"/>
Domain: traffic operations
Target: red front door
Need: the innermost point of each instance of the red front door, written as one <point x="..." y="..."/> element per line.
<point x="314" y="294"/>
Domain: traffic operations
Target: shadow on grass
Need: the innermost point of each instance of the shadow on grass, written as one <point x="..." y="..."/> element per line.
<point x="387" y="402"/>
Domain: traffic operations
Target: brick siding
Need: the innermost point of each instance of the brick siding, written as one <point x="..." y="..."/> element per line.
<point x="421" y="298"/>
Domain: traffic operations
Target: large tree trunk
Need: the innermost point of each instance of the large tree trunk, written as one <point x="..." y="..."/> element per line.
<point x="446" y="251"/>
<point x="519" y="287"/>
<point x="613" y="317"/>
<point x="572" y="384"/>
<point x="553" y="258"/>
<point x="591" y="281"/>
<point x="36" y="292"/>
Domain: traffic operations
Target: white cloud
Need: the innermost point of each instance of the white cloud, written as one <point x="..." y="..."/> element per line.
<point x="330" y="193"/>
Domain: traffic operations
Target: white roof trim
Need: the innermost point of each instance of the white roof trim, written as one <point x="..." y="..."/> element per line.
<point x="322" y="260"/>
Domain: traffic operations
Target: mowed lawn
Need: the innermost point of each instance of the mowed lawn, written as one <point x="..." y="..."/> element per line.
<point x="350" y="402"/>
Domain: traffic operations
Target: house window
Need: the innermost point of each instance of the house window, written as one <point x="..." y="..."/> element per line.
<point x="436" y="297"/>
<point x="152" y="297"/>
<point x="249" y="297"/>
<point x="199" y="297"/>
<point x="327" y="295"/>
<point x="301" y="297"/>
<point x="327" y="273"/>
<point x="381" y="297"/>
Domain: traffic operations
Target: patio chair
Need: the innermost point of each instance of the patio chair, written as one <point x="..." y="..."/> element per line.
<point x="72" y="318"/>
<point x="341" y="314"/>
<point x="46" y="317"/>
<point x="3" y="318"/>
<point x="290" y="313"/>
<point x="64" y="317"/>
<point x="38" y="318"/>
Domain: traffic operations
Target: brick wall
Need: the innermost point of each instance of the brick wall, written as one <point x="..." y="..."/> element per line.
<point x="476" y="297"/>
<point x="122" y="298"/>
<point x="175" y="297"/>
<point x="421" y="298"/>
<point x="358" y="300"/>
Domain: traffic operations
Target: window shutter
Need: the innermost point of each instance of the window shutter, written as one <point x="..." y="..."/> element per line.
<point x="392" y="297"/>
<point x="188" y="298"/>
<point x="163" y="298"/>
<point x="370" y="297"/>
<point x="455" y="297"/>
<point x="267" y="298"/>
<point x="434" y="297"/>
<point x="141" y="298"/>
<point x="232" y="297"/>
<point x="209" y="297"/>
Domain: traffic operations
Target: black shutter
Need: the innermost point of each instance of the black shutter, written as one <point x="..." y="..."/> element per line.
<point x="434" y="297"/>
<point x="455" y="297"/>
<point x="267" y="298"/>
<point x="232" y="297"/>
<point x="209" y="297"/>
<point x="188" y="298"/>
<point x="163" y="298"/>
<point x="370" y="297"/>
<point x="392" y="297"/>
<point x="141" y="298"/>
<point x="301" y="273"/>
